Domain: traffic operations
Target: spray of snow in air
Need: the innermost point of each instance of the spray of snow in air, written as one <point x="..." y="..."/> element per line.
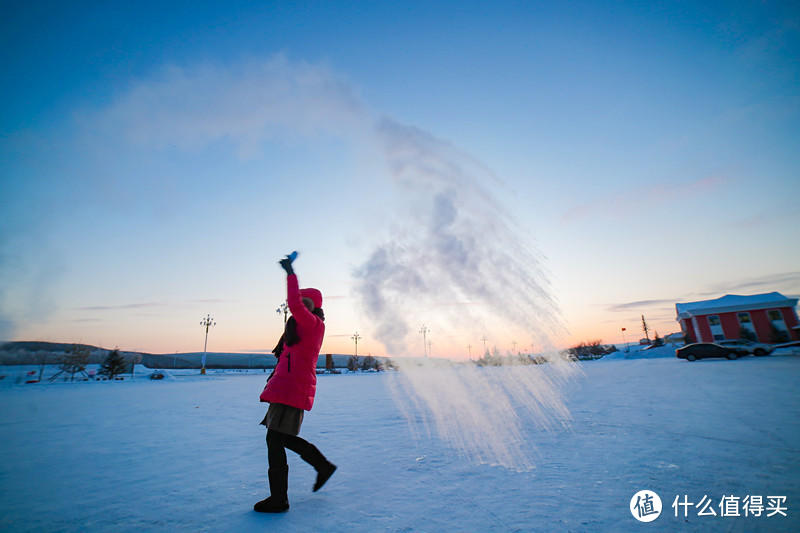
<point x="485" y="414"/>
<point x="455" y="258"/>
<point x="461" y="246"/>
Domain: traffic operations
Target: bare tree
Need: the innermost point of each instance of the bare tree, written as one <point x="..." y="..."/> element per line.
<point x="369" y="362"/>
<point x="41" y="357"/>
<point x="74" y="362"/>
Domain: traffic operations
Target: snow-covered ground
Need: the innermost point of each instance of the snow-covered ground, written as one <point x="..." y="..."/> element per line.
<point x="188" y="454"/>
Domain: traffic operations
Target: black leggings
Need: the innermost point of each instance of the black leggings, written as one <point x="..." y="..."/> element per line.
<point x="277" y="443"/>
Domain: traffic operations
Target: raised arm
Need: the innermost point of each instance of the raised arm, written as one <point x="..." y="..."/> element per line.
<point x="301" y="314"/>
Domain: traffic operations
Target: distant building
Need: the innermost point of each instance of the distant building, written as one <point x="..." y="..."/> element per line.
<point x="762" y="317"/>
<point x="673" y="338"/>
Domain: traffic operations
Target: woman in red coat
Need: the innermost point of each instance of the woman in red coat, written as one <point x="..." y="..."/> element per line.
<point x="290" y="391"/>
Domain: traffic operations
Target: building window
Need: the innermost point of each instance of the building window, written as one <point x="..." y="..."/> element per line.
<point x="746" y="328"/>
<point x="716" y="327"/>
<point x="779" y="333"/>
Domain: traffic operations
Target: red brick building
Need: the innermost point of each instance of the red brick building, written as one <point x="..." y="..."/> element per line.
<point x="765" y="317"/>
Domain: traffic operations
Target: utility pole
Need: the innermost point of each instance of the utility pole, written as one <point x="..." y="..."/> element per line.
<point x="425" y="330"/>
<point x="283" y="309"/>
<point x="484" y="339"/>
<point x="429" y="348"/>
<point x="208" y="322"/>
<point x="513" y="346"/>
<point x="355" y="338"/>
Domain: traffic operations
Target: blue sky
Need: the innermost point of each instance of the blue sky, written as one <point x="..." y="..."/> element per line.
<point x="156" y="161"/>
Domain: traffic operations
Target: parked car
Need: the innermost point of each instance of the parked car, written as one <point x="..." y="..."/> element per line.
<point x="702" y="350"/>
<point x="792" y="348"/>
<point x="745" y="346"/>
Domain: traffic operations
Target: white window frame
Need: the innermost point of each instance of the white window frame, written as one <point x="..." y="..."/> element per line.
<point x="779" y="324"/>
<point x="717" y="334"/>
<point x="747" y="325"/>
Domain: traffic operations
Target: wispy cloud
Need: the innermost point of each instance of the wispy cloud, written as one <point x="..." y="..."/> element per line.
<point x="640" y="304"/>
<point x="776" y="213"/>
<point x="634" y="321"/>
<point x="245" y="103"/>
<point x="782" y="282"/>
<point x="648" y="195"/>
<point x="786" y="282"/>
<point x="138" y="305"/>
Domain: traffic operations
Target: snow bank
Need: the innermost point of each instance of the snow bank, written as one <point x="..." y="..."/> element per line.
<point x="641" y="352"/>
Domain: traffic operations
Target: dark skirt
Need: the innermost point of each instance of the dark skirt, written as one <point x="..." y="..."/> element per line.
<point x="283" y="418"/>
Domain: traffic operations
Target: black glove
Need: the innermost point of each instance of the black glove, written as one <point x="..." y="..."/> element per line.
<point x="286" y="264"/>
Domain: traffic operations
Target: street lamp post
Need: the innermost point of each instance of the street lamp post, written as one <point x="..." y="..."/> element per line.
<point x="356" y="338"/>
<point x="425" y="330"/>
<point x="284" y="310"/>
<point x="208" y="322"/>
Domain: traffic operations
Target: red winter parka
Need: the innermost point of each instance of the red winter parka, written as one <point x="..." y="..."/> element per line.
<point x="295" y="379"/>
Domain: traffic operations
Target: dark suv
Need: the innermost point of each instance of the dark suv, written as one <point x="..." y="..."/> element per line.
<point x="702" y="350"/>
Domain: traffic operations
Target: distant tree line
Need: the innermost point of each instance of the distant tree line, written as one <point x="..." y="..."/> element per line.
<point x="355" y="363"/>
<point x="495" y="358"/>
<point x="594" y="349"/>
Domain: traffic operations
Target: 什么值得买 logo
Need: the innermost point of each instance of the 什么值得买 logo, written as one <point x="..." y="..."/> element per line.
<point x="645" y="506"/>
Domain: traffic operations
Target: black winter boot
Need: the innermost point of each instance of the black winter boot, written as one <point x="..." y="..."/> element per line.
<point x="271" y="506"/>
<point x="323" y="474"/>
<point x="278" y="501"/>
<point x="324" y="468"/>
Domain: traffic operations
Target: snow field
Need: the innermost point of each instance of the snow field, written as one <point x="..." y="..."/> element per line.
<point x="188" y="454"/>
